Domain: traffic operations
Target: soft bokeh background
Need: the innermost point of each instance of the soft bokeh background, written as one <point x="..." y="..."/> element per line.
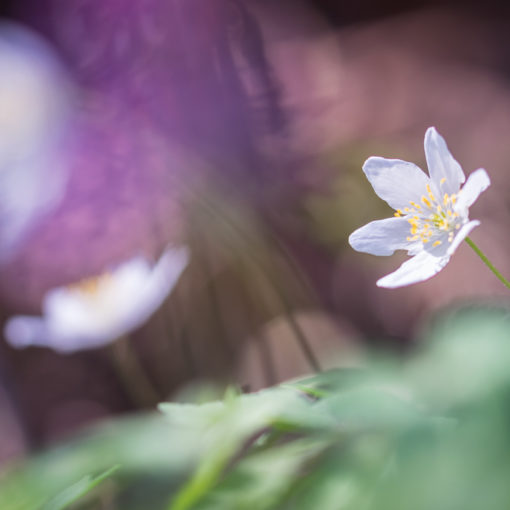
<point x="240" y="128"/>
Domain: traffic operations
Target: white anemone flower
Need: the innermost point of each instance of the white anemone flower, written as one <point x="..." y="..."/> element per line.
<point x="97" y="311"/>
<point x="35" y="108"/>
<point x="431" y="217"/>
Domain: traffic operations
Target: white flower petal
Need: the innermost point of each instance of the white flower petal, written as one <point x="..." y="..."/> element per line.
<point x="65" y="307"/>
<point x="73" y="322"/>
<point x="441" y="163"/>
<point x="23" y="330"/>
<point x="437" y="250"/>
<point x="382" y="237"/>
<point x="76" y="319"/>
<point x="461" y="235"/>
<point x="396" y="181"/>
<point x="477" y="182"/>
<point x="35" y="104"/>
<point x="417" y="269"/>
<point x="158" y="286"/>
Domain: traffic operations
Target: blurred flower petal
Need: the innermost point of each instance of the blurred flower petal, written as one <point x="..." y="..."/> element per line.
<point x="97" y="311"/>
<point x="34" y="110"/>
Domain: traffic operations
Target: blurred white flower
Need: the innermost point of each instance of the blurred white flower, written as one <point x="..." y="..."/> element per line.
<point x="97" y="311"/>
<point x="431" y="217"/>
<point x="34" y="111"/>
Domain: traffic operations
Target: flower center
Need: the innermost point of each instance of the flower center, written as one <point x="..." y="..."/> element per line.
<point x="90" y="286"/>
<point x="432" y="218"/>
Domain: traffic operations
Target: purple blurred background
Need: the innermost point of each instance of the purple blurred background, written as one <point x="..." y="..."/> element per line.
<point x="240" y="128"/>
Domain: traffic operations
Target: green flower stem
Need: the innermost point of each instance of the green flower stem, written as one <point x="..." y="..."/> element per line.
<point x="487" y="262"/>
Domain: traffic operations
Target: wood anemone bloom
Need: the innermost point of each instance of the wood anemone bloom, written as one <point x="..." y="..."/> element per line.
<point x="35" y="99"/>
<point x="431" y="212"/>
<point x="97" y="311"/>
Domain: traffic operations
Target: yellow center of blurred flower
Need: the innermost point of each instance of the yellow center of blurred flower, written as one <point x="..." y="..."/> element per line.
<point x="90" y="286"/>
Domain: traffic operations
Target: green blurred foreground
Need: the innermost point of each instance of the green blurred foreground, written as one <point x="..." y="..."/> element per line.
<point x="432" y="432"/>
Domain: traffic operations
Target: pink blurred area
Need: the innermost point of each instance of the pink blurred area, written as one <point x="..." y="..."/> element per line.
<point x="240" y="128"/>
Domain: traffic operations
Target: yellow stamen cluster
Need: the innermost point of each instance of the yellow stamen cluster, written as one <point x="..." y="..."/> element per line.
<point x="431" y="216"/>
<point x="90" y="286"/>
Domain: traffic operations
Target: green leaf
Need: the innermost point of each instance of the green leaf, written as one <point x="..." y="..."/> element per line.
<point x="77" y="490"/>
<point x="375" y="407"/>
<point x="225" y="429"/>
<point x="262" y="480"/>
<point x="465" y="356"/>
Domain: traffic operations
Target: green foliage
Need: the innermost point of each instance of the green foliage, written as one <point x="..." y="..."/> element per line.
<point x="76" y="491"/>
<point x="431" y="432"/>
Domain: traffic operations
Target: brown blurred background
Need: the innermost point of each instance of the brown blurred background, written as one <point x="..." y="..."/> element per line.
<point x="240" y="128"/>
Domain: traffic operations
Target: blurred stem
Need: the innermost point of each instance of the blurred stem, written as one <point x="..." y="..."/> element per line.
<point x="187" y="352"/>
<point x="261" y="339"/>
<point x="487" y="262"/>
<point x="266" y="358"/>
<point x="14" y="401"/>
<point x="180" y="333"/>
<point x="252" y="254"/>
<point x="294" y="325"/>
<point x="204" y="479"/>
<point x="301" y="338"/>
<point x="132" y="375"/>
<point x="203" y="256"/>
<point x="297" y="330"/>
